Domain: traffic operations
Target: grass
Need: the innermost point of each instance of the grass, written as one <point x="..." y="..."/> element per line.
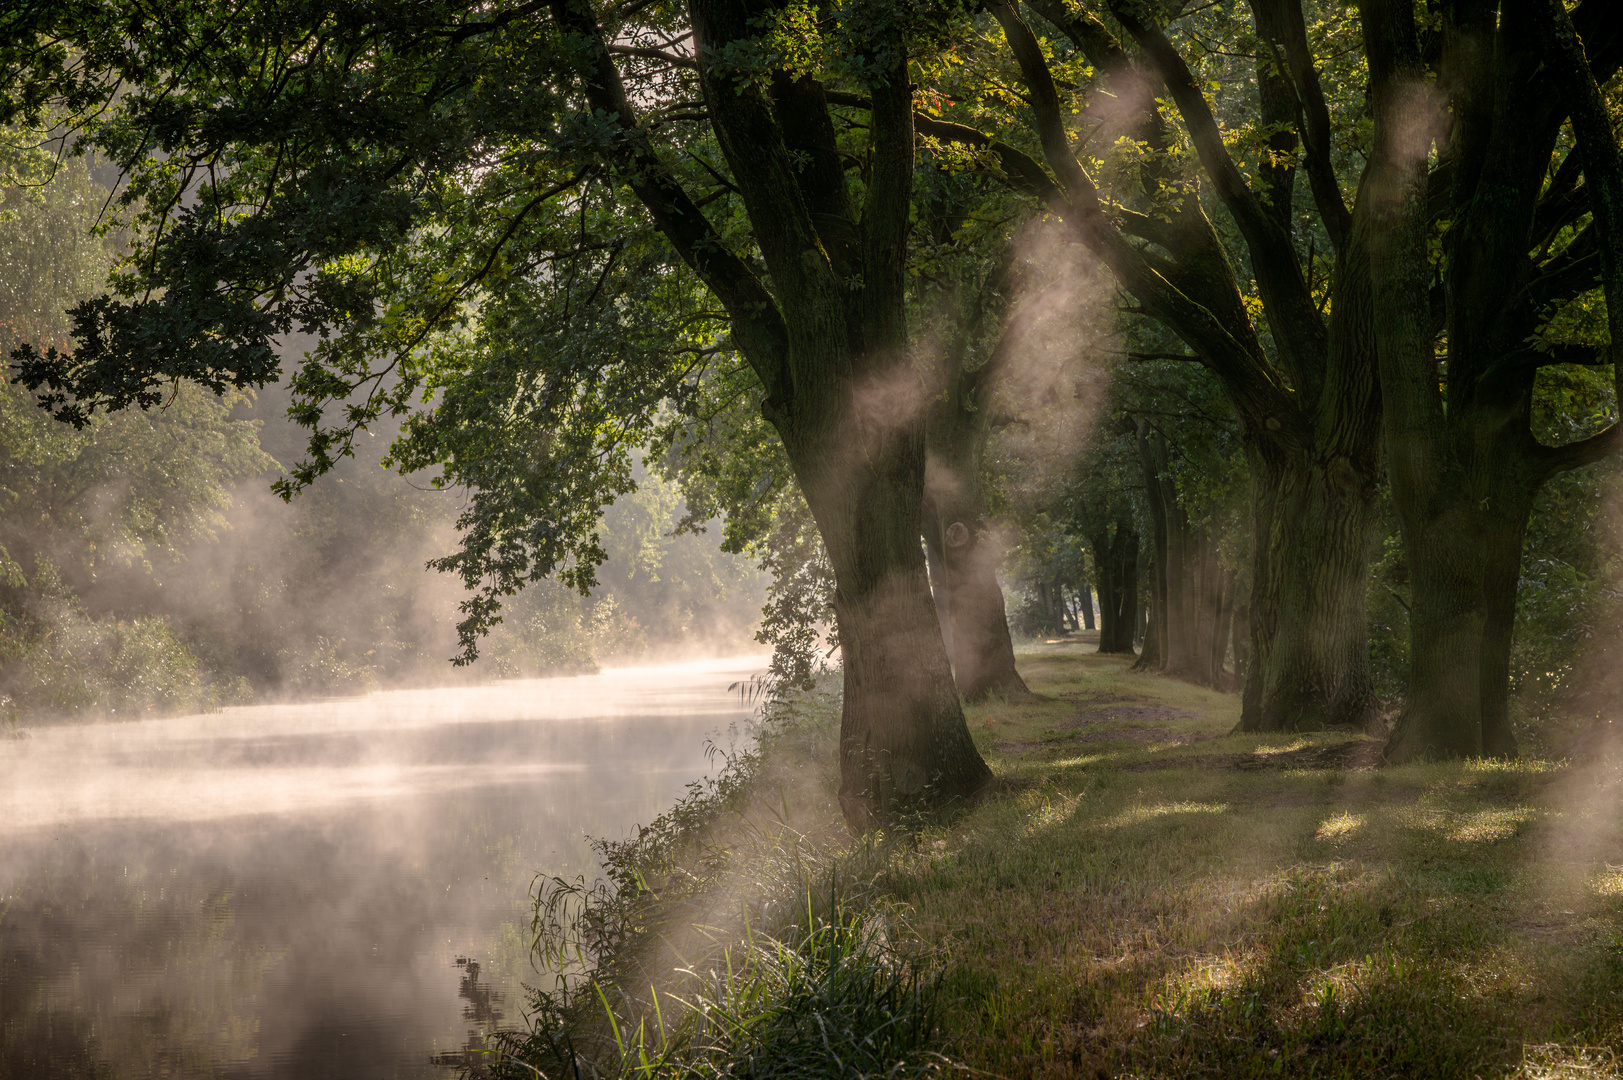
<point x="1142" y="894"/>
<point x="1150" y="895"/>
<point x="740" y="934"/>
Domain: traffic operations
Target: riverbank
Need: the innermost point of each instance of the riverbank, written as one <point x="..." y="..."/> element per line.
<point x="1145" y="894"/>
<point x="1150" y="895"/>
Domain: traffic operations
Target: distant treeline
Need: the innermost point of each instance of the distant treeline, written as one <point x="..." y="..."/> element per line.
<point x="146" y="565"/>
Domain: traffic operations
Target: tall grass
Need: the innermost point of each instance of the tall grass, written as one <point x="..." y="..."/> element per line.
<point x="740" y="934"/>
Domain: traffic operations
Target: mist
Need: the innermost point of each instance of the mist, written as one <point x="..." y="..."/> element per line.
<point x="265" y="600"/>
<point x="317" y="890"/>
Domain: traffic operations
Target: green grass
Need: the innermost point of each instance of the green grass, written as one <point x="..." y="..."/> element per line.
<point x="1142" y="894"/>
<point x="1149" y="895"/>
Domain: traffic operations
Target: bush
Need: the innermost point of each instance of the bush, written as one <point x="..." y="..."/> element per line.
<point x="58" y="660"/>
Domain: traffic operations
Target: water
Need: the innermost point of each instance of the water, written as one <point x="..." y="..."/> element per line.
<point x="335" y="889"/>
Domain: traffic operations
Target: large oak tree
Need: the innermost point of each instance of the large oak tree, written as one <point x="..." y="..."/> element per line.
<point x="363" y="171"/>
<point x="1492" y="201"/>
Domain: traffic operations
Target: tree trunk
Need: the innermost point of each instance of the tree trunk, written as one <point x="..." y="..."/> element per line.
<point x="974" y="620"/>
<point x="1501" y="578"/>
<point x="965" y="548"/>
<point x="1465" y="565"/>
<point x="903" y="739"/>
<point x="1223" y="631"/>
<point x="1442" y="714"/>
<point x="1187" y="579"/>
<point x="1117" y="559"/>
<point x="1149" y="658"/>
<point x="1085" y="600"/>
<point x="1308" y="664"/>
<point x="1105" y="571"/>
<point x="1141" y="610"/>
<point x="939" y="590"/>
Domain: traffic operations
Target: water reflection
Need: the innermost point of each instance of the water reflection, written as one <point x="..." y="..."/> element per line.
<point x="483" y="1013"/>
<point x="287" y="891"/>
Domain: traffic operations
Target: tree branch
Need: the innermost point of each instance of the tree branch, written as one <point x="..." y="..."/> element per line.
<point x="1571" y="273"/>
<point x="1575" y="455"/>
<point x="801" y="107"/>
<point x="1045" y="105"/>
<point x="757" y="325"/>
<point x="1087" y="33"/>
<point x="1141" y="356"/>
<point x="1314" y="120"/>
<point x="1250" y="383"/>
<point x="1603" y="172"/>
<point x="1025" y="174"/>
<point x="1562" y="202"/>
<point x="887" y="205"/>
<point x="1298" y="329"/>
<point x="655" y="54"/>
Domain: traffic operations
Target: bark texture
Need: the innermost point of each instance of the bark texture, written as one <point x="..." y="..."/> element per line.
<point x="1308" y="662"/>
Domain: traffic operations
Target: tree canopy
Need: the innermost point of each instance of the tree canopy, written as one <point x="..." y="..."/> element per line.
<point x="1307" y="272"/>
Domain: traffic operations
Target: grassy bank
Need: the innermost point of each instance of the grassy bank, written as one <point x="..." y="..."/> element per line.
<point x="1142" y="895"/>
<point x="1149" y="895"/>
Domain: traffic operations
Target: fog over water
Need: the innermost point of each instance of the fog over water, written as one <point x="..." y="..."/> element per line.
<point x="334" y="889"/>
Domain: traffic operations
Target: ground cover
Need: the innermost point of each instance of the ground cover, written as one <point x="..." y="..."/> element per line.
<point x="1140" y="894"/>
<point x="1147" y="894"/>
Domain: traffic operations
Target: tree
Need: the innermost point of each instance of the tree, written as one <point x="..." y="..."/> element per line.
<point x="960" y="537"/>
<point x="1301" y="382"/>
<point x="1010" y="344"/>
<point x="1524" y="196"/>
<point x="84" y="514"/>
<point x="1115" y="553"/>
<point x="1192" y="591"/>
<point x="371" y="172"/>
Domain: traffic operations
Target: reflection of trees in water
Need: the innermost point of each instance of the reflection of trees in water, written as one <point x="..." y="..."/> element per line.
<point x="110" y="970"/>
<point x="484" y="1001"/>
<point x="484" y="1015"/>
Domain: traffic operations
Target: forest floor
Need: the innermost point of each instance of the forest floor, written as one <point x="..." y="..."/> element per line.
<point x="1147" y="894"/>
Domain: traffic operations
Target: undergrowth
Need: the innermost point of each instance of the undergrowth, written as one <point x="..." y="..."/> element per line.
<point x="739" y="934"/>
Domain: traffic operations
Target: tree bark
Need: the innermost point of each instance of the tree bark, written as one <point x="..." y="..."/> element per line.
<point x="1308" y="664"/>
<point x="1442" y="713"/>
<point x="1116" y="557"/>
<point x="902" y="735"/>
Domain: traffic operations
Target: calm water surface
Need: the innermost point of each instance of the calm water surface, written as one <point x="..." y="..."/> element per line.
<point x="335" y="889"/>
